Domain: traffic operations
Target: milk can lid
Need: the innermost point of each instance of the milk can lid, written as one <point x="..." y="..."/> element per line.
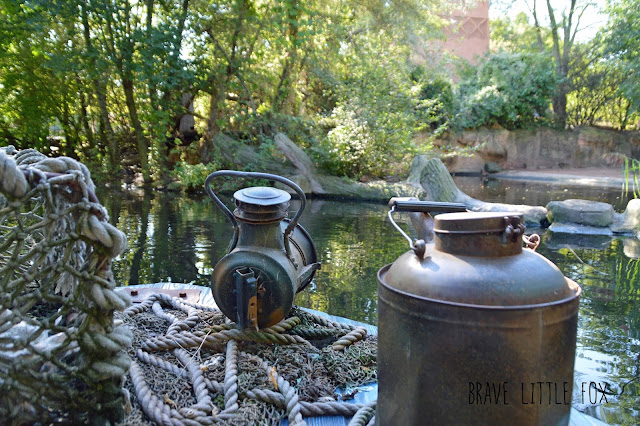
<point x="476" y="222"/>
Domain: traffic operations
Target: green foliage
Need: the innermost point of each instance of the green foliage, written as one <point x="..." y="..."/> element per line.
<point x="192" y="176"/>
<point x="518" y="35"/>
<point x="621" y="40"/>
<point x="595" y="97"/>
<point x="631" y="177"/>
<point x="437" y="101"/>
<point x="113" y="77"/>
<point x="506" y="89"/>
<point x="378" y="111"/>
<point x="107" y="82"/>
<point x="260" y="128"/>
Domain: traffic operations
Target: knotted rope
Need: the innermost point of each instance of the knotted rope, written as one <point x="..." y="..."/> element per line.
<point x="236" y="375"/>
<point x="61" y="355"/>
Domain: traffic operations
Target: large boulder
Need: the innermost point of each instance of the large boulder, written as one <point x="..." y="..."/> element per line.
<point x="583" y="212"/>
<point x="492" y="167"/>
<point x="435" y="178"/>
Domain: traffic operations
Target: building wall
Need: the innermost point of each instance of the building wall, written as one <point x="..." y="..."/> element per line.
<point x="468" y="36"/>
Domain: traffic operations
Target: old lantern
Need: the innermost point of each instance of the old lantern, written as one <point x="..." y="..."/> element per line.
<point x="270" y="257"/>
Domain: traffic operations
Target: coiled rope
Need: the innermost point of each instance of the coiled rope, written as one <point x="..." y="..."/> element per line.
<point x="200" y="346"/>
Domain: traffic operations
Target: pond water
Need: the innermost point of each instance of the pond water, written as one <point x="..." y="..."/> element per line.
<point x="180" y="238"/>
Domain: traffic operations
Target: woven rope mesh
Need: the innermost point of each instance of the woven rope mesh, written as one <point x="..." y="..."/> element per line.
<point x="61" y="357"/>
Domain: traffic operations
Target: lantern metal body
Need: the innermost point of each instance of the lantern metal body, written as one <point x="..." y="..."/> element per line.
<point x="474" y="329"/>
<point x="270" y="258"/>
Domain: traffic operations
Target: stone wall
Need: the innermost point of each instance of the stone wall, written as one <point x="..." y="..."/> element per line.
<point x="543" y="148"/>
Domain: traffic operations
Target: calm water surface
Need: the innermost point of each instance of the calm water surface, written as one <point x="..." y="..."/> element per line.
<point x="178" y="238"/>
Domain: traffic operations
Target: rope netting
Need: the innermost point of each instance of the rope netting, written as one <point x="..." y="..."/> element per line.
<point x="193" y="367"/>
<point x="61" y="357"/>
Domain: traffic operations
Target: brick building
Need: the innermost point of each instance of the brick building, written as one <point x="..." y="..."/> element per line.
<point x="468" y="36"/>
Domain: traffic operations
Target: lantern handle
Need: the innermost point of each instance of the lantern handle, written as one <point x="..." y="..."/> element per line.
<point x="255" y="175"/>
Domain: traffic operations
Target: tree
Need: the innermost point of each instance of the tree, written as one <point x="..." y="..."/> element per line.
<point x="621" y="38"/>
<point x="595" y="97"/>
<point x="518" y="35"/>
<point x="105" y="81"/>
<point x="512" y="90"/>
<point x="564" y="24"/>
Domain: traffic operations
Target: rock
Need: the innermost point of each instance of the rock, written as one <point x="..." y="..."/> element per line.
<point x="576" y="228"/>
<point x="584" y="212"/>
<point x="299" y="159"/>
<point x="542" y="147"/>
<point x="492" y="167"/>
<point x="493" y="145"/>
<point x="631" y="247"/>
<point x="629" y="221"/>
<point x="464" y="163"/>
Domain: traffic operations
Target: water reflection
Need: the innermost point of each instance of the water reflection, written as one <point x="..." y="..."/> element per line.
<point x="177" y="238"/>
<point x="535" y="193"/>
<point x="609" y="324"/>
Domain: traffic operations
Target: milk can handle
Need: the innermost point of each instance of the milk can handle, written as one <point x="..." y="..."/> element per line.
<point x="398" y="204"/>
<point x="426" y="206"/>
<point x="254" y="175"/>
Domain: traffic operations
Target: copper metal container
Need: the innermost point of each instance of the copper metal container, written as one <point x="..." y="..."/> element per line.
<point x="474" y="329"/>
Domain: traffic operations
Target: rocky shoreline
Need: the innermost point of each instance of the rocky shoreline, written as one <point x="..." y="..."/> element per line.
<point x="429" y="179"/>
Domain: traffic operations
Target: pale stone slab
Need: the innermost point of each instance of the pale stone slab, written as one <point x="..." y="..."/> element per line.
<point x="583" y="212"/>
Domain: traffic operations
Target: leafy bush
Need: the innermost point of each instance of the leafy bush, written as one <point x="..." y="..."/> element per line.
<point x="368" y="139"/>
<point x="512" y="90"/>
<point x="377" y="112"/>
<point x="192" y="176"/>
<point x="260" y="128"/>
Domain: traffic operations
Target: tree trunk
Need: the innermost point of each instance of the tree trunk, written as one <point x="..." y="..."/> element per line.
<point x="213" y="128"/>
<point x="70" y="130"/>
<point x="435" y="178"/>
<point x="285" y="93"/>
<point x="141" y="142"/>
<point x="106" y="131"/>
<point x="562" y="60"/>
<point x="84" y="115"/>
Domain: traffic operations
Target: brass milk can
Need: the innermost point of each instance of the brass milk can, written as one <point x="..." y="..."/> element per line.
<point x="474" y="329"/>
<point x="270" y="257"/>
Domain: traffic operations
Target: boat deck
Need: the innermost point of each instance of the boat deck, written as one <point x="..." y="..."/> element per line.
<point x="366" y="393"/>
